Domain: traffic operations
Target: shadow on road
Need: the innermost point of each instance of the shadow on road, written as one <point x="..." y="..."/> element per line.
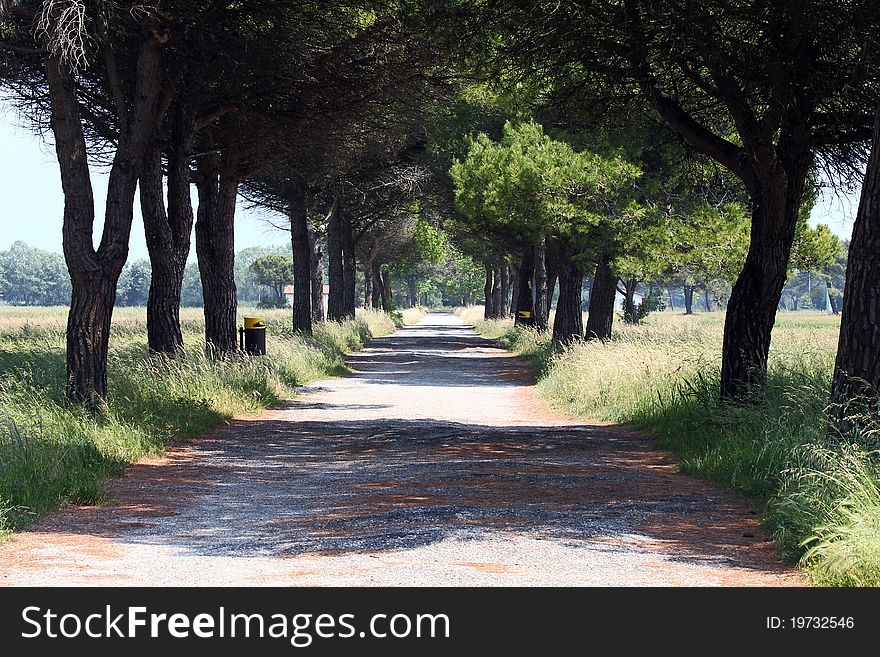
<point x="284" y="488"/>
<point x="353" y="470"/>
<point x="422" y="353"/>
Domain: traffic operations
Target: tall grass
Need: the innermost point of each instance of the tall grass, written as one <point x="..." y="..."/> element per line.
<point x="830" y="497"/>
<point x="820" y="495"/>
<point x="52" y="453"/>
<point x="411" y="316"/>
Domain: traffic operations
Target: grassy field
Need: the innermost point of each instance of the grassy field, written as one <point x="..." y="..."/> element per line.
<point x="52" y="453"/>
<point x="820" y="494"/>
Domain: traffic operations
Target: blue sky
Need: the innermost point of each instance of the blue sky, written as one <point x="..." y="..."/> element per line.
<point x="31" y="202"/>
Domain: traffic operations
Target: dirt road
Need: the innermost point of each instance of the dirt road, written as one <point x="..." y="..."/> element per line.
<point x="434" y="464"/>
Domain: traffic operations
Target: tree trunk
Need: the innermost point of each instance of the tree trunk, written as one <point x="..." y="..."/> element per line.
<point x="854" y="388"/>
<point x="163" y="304"/>
<point x="372" y="292"/>
<point x="552" y="259"/>
<point x="387" y="290"/>
<point x="88" y="333"/>
<point x="499" y="303"/>
<point x="316" y="258"/>
<point x="378" y="293"/>
<point x="513" y="275"/>
<point x="302" y="261"/>
<point x="688" y="299"/>
<point x="525" y="299"/>
<point x="168" y="234"/>
<point x="368" y="285"/>
<point x="94" y="273"/>
<point x="413" y="291"/>
<point x="504" y="292"/>
<point x="671" y="298"/>
<point x="215" y="246"/>
<point x="568" y="324"/>
<point x="630" y="314"/>
<point x="600" y="316"/>
<point x="349" y="266"/>
<point x="835" y="310"/>
<point x="335" y="300"/>
<point x="542" y="308"/>
<point x="751" y="311"/>
<point x="488" y="308"/>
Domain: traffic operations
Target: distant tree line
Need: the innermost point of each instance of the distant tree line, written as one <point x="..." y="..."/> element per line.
<point x="35" y="277"/>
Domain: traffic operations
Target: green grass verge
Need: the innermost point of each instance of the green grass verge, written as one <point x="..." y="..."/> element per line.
<point x="53" y="453"/>
<point x="820" y="496"/>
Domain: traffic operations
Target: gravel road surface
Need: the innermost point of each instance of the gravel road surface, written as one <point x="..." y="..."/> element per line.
<point x="433" y="464"/>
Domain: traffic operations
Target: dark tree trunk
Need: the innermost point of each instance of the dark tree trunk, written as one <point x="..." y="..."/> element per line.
<point x="488" y="308"/>
<point x="377" y="293"/>
<point x="542" y="308"/>
<point x="372" y="292"/>
<point x="163" y="304"/>
<point x="513" y="274"/>
<point x="835" y="310"/>
<point x="217" y="188"/>
<point x="335" y="300"/>
<point x="671" y="298"/>
<point x="349" y="266"/>
<point x="706" y="300"/>
<point x="168" y="233"/>
<point x="854" y="388"/>
<point x="387" y="290"/>
<point x="688" y="299"/>
<point x="368" y="284"/>
<point x="600" y="316"/>
<point x="751" y="312"/>
<point x="630" y="313"/>
<point x="568" y="324"/>
<point x="302" y="262"/>
<point x="525" y="298"/>
<point x="88" y="333"/>
<point x="94" y="273"/>
<point x="317" y="275"/>
<point x="413" y="299"/>
<point x="499" y="304"/>
<point x="504" y="302"/>
<point x="552" y="258"/>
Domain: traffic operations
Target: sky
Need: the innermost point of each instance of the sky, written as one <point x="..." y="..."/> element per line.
<point x="31" y="201"/>
<point x="32" y="204"/>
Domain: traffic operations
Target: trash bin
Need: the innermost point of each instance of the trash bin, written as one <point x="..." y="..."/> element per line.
<point x="252" y="337"/>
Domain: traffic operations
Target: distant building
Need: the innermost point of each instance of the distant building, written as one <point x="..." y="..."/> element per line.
<point x="288" y="294"/>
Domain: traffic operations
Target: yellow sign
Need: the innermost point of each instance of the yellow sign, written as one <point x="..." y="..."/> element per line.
<point x="255" y="322"/>
<point x="525" y="314"/>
